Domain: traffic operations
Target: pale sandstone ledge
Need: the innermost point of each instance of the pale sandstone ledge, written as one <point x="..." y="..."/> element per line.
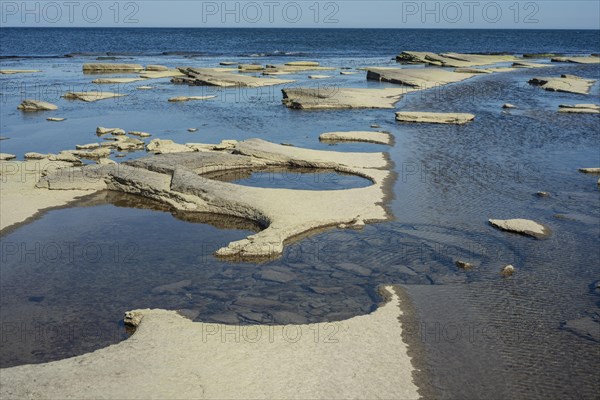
<point x="91" y="96"/>
<point x="19" y="196"/>
<point x="110" y="67"/>
<point x="357" y="136"/>
<point x="189" y="98"/>
<point x="564" y="83"/>
<point x="223" y="78"/>
<point x="18" y="71"/>
<point x="170" y="356"/>
<point x="36" y="105"/>
<point x="168" y="73"/>
<point x="116" y="80"/>
<point x="342" y="98"/>
<point x="418" y="78"/>
<point x="579" y="108"/>
<point x="456" y="60"/>
<point x="177" y="180"/>
<point x="577" y="60"/>
<point x="522" y="226"/>
<point x="434" y="118"/>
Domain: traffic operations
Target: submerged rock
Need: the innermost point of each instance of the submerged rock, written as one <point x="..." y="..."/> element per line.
<point x="36" y="105"/>
<point x="434" y="118"/>
<point x="522" y="226"/>
<point x="100" y="81"/>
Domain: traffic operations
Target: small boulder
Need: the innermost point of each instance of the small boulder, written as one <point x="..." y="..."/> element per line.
<point x="508" y="105"/>
<point x="463" y="264"/>
<point x="35" y="105"/>
<point x="507" y="270"/>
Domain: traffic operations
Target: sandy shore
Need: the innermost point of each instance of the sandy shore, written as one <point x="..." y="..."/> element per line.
<point x="170" y="356"/>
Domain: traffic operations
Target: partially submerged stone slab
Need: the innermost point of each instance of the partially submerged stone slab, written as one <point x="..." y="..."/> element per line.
<point x="577" y="60"/>
<point x="18" y="71"/>
<point x="523" y="64"/>
<point x="7" y="156"/>
<point x="116" y="80"/>
<point x="564" y="83"/>
<point x="579" y="108"/>
<point x="55" y="119"/>
<point x="169" y="73"/>
<point x="456" y="60"/>
<point x="357" y="136"/>
<point x="160" y="146"/>
<point x="91" y="96"/>
<point x="36" y="105"/>
<point x="419" y="78"/>
<point x="189" y="98"/>
<point x="302" y="63"/>
<point x="590" y="170"/>
<point x="111" y="67"/>
<point x="434" y="118"/>
<point x="522" y="226"/>
<point x="329" y="98"/>
<point x="226" y="78"/>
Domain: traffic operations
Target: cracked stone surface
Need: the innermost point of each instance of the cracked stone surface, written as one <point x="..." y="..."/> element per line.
<point x="330" y="98"/>
<point x="564" y="83"/>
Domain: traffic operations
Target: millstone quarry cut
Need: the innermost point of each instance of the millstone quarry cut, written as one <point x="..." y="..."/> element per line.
<point x="434" y="118"/>
<point x="522" y="226"/>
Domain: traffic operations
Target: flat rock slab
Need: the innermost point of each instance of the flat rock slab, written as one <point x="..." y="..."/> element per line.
<point x="7" y="156"/>
<point x="434" y="118"/>
<point x="36" y="105"/>
<point x="589" y="170"/>
<point x="522" y="226"/>
<point x="565" y="83"/>
<point x="18" y="71"/>
<point x="577" y="60"/>
<point x="178" y="180"/>
<point x="579" y="108"/>
<point x="331" y="98"/>
<point x="190" y="98"/>
<point x="419" y="78"/>
<point x="170" y="356"/>
<point x="456" y="60"/>
<point x="357" y="136"/>
<point x="116" y="80"/>
<point x="302" y="64"/>
<point x="91" y="96"/>
<point x="169" y="73"/>
<point x="110" y="67"/>
<point x="523" y="64"/>
<point x="55" y="119"/>
<point x="226" y="78"/>
<point x="319" y="76"/>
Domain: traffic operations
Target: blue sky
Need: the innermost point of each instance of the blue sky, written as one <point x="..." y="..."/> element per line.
<point x="500" y="14"/>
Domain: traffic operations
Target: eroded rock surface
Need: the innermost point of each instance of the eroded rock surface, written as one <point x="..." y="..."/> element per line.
<point x="564" y="83"/>
<point x="329" y="98"/>
<point x="456" y="60"/>
<point x="522" y="226"/>
<point x="178" y="180"/>
<point x="223" y="78"/>
<point x="357" y="136"/>
<point x="110" y="67"/>
<point x="36" y="105"/>
<point x="418" y="78"/>
<point x="91" y="96"/>
<point x="434" y="118"/>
